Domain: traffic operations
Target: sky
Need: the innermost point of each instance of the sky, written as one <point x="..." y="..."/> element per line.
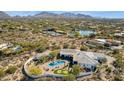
<point x="102" y="14"/>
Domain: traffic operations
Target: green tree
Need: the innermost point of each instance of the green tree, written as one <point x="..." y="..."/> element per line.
<point x="43" y="59"/>
<point x="77" y="34"/>
<point x="116" y="51"/>
<point x="92" y="36"/>
<point x="54" y="54"/>
<point x="76" y="69"/>
<point x="1" y="53"/>
<point x="40" y="49"/>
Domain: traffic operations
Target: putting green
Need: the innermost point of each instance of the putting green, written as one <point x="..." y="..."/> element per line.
<point x="60" y="71"/>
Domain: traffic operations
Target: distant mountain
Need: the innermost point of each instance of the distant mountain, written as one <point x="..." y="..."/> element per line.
<point x="3" y="15"/>
<point x="45" y="14"/>
<point x="84" y="16"/>
<point x="48" y="15"/>
<point x="66" y="14"/>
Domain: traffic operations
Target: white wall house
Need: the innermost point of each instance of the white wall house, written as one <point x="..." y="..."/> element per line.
<point x="85" y="59"/>
<point x="5" y="46"/>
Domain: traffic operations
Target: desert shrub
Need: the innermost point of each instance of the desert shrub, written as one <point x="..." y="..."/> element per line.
<point x="119" y="63"/>
<point x="69" y="77"/>
<point x="41" y="49"/>
<point x="83" y="48"/>
<point x="11" y="70"/>
<point x="35" y="70"/>
<point x="73" y="47"/>
<point x="55" y="47"/>
<point x="77" y="34"/>
<point x="2" y="73"/>
<point x="117" y="78"/>
<point x="43" y="59"/>
<point x="65" y="46"/>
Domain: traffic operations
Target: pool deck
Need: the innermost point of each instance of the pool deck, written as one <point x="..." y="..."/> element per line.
<point x="47" y="71"/>
<point x="51" y="69"/>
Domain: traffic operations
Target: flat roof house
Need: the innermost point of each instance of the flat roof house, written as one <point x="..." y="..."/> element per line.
<point x="85" y="59"/>
<point x="5" y="46"/>
<point x="121" y="34"/>
<point x="106" y="43"/>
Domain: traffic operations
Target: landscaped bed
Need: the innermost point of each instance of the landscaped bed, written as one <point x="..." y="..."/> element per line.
<point x="35" y="70"/>
<point x="61" y="71"/>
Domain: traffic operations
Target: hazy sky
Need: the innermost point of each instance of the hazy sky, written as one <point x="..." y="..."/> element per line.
<point x="103" y="14"/>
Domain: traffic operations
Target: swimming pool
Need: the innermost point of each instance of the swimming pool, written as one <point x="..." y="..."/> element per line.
<point x="86" y="33"/>
<point x="56" y="63"/>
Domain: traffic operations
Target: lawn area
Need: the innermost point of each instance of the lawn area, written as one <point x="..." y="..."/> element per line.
<point x="61" y="71"/>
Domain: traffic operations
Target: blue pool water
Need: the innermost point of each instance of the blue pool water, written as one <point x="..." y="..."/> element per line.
<point x="56" y="63"/>
<point x="86" y="33"/>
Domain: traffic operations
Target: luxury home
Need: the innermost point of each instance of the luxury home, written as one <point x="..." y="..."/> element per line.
<point x="88" y="60"/>
<point x="106" y="43"/>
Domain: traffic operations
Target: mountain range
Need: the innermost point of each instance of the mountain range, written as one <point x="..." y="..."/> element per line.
<point x="3" y="15"/>
<point x="65" y="14"/>
<point x="51" y="15"/>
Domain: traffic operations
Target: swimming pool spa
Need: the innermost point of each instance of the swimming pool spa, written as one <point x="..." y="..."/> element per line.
<point x="56" y="63"/>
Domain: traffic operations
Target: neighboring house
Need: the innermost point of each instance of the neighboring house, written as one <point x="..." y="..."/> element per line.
<point x="102" y="41"/>
<point x="88" y="60"/>
<point x="117" y="47"/>
<point x="110" y="44"/>
<point x="8" y="47"/>
<point x="121" y="34"/>
<point x="93" y="43"/>
<point x="2" y="30"/>
<point x="5" y="46"/>
<point x="52" y="33"/>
